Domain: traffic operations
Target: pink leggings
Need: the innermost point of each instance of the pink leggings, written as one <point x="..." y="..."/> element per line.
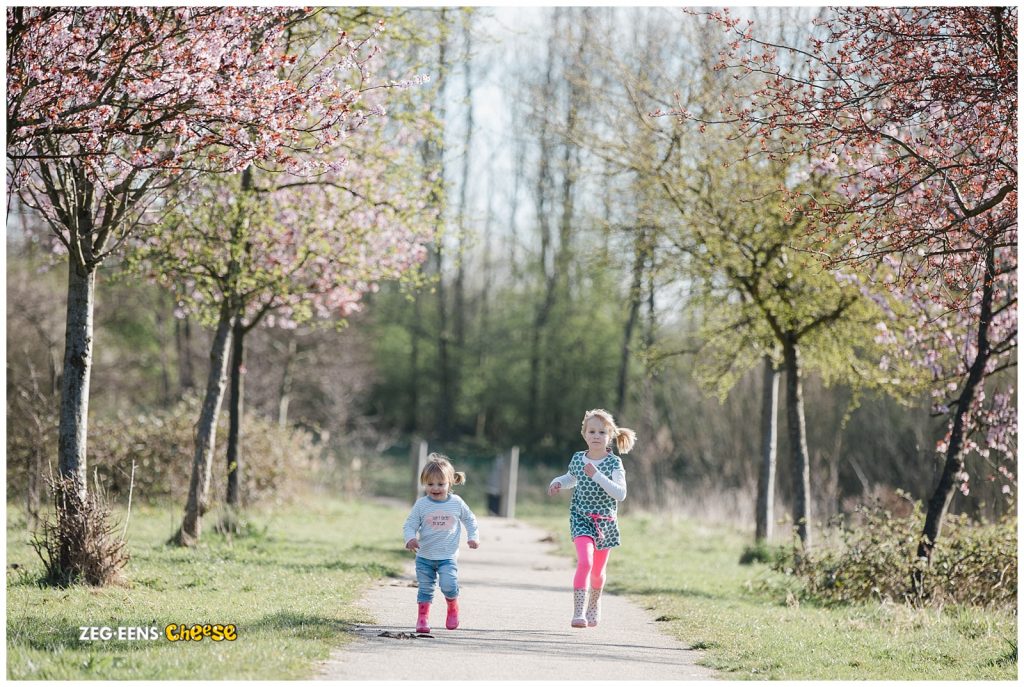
<point x="590" y="561"/>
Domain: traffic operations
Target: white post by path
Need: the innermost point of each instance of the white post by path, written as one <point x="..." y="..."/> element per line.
<point x="509" y="481"/>
<point x="417" y="459"/>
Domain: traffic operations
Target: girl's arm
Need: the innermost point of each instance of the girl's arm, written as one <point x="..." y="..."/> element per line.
<point x="412" y="525"/>
<point x="616" y="486"/>
<point x="469" y="521"/>
<point x="566" y="481"/>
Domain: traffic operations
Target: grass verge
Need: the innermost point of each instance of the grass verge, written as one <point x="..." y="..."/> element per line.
<point x="689" y="578"/>
<point x="288" y="587"/>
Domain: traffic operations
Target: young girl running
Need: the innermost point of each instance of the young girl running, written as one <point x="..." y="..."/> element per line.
<point x="600" y="483"/>
<point x="438" y="518"/>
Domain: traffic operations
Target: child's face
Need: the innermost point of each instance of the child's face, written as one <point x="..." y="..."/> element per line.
<point x="437" y="488"/>
<point x="595" y="432"/>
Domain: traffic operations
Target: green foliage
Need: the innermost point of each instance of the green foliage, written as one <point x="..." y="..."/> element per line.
<point x="974" y="564"/>
<point x="759" y="552"/>
<point x="578" y="354"/>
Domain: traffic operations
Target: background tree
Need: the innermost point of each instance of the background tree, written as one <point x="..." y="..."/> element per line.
<point x="107" y="108"/>
<point x="281" y="254"/>
<point x="915" y="110"/>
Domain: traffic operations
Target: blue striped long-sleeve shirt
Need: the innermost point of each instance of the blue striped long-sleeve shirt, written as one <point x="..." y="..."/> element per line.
<point x="438" y="525"/>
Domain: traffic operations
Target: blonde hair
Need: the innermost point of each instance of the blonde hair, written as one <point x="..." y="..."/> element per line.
<point x="624" y="438"/>
<point x="438" y="465"/>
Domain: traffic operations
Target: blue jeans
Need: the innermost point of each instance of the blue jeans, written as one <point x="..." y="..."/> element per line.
<point x="428" y="571"/>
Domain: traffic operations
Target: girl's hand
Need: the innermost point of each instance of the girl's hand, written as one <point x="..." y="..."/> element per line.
<point x="589" y="469"/>
<point x="554" y="489"/>
<point x="412" y="544"/>
<point x="473" y="544"/>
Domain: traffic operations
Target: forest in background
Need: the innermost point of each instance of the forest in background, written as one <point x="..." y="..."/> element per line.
<point x="558" y="284"/>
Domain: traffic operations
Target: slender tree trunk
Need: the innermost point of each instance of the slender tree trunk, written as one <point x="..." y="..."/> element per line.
<point x="160" y="315"/>
<point x="798" y="443"/>
<point x="412" y="392"/>
<point x="769" y="442"/>
<point x="183" y="340"/>
<point x="483" y="347"/>
<point x="564" y="264"/>
<point x="235" y="410"/>
<point x="74" y="399"/>
<point x="954" y="465"/>
<point x="540" y="319"/>
<point x="513" y="203"/>
<point x="285" y="390"/>
<point x="206" y="431"/>
<point x="446" y="402"/>
<point x="459" y="286"/>
<point x="635" y="301"/>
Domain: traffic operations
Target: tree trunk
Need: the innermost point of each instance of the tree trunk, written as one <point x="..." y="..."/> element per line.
<point x="235" y="409"/>
<point x="798" y="443"/>
<point x="484" y="316"/>
<point x="940" y="500"/>
<point x="540" y="319"/>
<point x="285" y="391"/>
<point x="459" y="285"/>
<point x="446" y="401"/>
<point x="74" y="399"/>
<point x="769" y="441"/>
<point x="635" y="300"/>
<point x="206" y="432"/>
<point x="413" y="390"/>
<point x="159" y="316"/>
<point x="183" y="339"/>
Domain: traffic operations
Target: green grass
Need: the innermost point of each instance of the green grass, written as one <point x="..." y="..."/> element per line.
<point x="688" y="576"/>
<point x="288" y="587"/>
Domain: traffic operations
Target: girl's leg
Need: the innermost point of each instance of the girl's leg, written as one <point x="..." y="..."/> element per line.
<point x="448" y="577"/>
<point x="597" y="572"/>
<point x="426" y="573"/>
<point x="584" y="561"/>
<point x="597" y="579"/>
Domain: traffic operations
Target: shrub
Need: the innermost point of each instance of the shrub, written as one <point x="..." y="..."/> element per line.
<point x="276" y="461"/>
<point x="76" y="542"/>
<point x="973" y="563"/>
<point x="759" y="552"/>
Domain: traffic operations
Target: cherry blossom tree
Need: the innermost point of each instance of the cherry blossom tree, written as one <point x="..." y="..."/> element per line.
<point x="109" y="108"/>
<point x="279" y="250"/>
<point x="914" y="112"/>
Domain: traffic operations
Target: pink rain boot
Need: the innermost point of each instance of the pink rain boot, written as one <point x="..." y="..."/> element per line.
<point x="452" y="621"/>
<point x="422" y="625"/>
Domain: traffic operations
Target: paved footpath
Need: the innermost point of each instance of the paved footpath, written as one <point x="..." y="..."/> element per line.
<point x="515" y="605"/>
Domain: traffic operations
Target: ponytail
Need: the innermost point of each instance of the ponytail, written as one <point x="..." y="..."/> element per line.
<point x="624" y="439"/>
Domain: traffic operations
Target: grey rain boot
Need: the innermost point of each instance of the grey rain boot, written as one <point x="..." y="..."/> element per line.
<point x="594" y="608"/>
<point x="578" y="597"/>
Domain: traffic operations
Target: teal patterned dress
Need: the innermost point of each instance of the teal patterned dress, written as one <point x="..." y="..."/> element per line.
<point x="593" y="511"/>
